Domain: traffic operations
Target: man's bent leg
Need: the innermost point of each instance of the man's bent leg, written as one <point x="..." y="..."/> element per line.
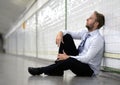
<point x="68" y="46"/>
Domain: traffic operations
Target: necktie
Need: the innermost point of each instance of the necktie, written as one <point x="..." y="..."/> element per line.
<point x="81" y="46"/>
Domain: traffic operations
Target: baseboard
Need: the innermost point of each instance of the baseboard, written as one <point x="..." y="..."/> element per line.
<point x="109" y="69"/>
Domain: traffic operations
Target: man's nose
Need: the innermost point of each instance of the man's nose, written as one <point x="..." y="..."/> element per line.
<point x="87" y="19"/>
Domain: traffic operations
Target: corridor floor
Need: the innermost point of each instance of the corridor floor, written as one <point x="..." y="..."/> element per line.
<point x="13" y="71"/>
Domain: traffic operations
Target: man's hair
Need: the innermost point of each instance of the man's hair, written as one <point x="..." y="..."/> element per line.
<point x="100" y="19"/>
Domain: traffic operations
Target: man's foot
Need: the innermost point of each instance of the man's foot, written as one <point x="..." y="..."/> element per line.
<point x="35" y="71"/>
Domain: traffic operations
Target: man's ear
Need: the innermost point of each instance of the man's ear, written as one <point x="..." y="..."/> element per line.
<point x="96" y="24"/>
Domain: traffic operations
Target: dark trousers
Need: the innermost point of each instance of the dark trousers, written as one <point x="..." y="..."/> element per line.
<point x="77" y="67"/>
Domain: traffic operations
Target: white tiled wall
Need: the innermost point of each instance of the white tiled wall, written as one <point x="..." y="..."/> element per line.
<point x="12" y="44"/>
<point x="51" y="19"/>
<point x="30" y="37"/>
<point x="20" y="41"/>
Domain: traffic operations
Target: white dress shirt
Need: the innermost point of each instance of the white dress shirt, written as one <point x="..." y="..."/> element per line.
<point x="93" y="49"/>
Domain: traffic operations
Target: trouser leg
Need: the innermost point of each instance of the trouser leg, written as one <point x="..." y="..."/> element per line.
<point x="68" y="46"/>
<point x="77" y="67"/>
<point x="80" y="69"/>
<point x="58" y="68"/>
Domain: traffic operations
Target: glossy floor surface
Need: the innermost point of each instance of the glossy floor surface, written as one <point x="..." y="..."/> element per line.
<point x="13" y="71"/>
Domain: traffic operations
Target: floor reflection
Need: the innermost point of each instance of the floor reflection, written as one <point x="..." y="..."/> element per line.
<point x="45" y="80"/>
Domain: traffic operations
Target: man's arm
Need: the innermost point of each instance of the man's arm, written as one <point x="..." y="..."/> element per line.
<point x="75" y="35"/>
<point x="59" y="38"/>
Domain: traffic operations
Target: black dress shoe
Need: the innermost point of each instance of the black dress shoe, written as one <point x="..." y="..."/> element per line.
<point x="35" y="71"/>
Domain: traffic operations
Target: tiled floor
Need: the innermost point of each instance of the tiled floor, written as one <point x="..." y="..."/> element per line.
<point x="13" y="71"/>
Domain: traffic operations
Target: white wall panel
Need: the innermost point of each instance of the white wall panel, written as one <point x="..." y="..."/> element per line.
<point x="51" y="19"/>
<point x="12" y="44"/>
<point x="20" y="41"/>
<point x="30" y="37"/>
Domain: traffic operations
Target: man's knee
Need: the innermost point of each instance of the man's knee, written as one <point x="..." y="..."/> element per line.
<point x="67" y="37"/>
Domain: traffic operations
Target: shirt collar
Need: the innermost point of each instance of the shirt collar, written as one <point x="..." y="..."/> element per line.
<point x="93" y="32"/>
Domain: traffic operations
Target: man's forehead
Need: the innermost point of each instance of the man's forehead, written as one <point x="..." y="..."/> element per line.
<point x="93" y="15"/>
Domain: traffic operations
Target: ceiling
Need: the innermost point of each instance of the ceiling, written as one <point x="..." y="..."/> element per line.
<point x="10" y="11"/>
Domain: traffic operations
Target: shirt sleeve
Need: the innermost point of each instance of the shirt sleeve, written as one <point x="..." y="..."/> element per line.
<point x="75" y="35"/>
<point x="96" y="46"/>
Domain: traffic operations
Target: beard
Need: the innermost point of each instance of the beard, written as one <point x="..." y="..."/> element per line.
<point x="89" y="27"/>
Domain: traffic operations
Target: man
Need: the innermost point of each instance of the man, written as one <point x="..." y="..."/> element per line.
<point x="84" y="61"/>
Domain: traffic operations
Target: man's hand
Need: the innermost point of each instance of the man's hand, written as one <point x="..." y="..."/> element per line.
<point x="59" y="38"/>
<point x="63" y="56"/>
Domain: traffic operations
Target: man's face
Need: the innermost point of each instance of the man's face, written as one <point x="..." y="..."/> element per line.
<point x="90" y="22"/>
